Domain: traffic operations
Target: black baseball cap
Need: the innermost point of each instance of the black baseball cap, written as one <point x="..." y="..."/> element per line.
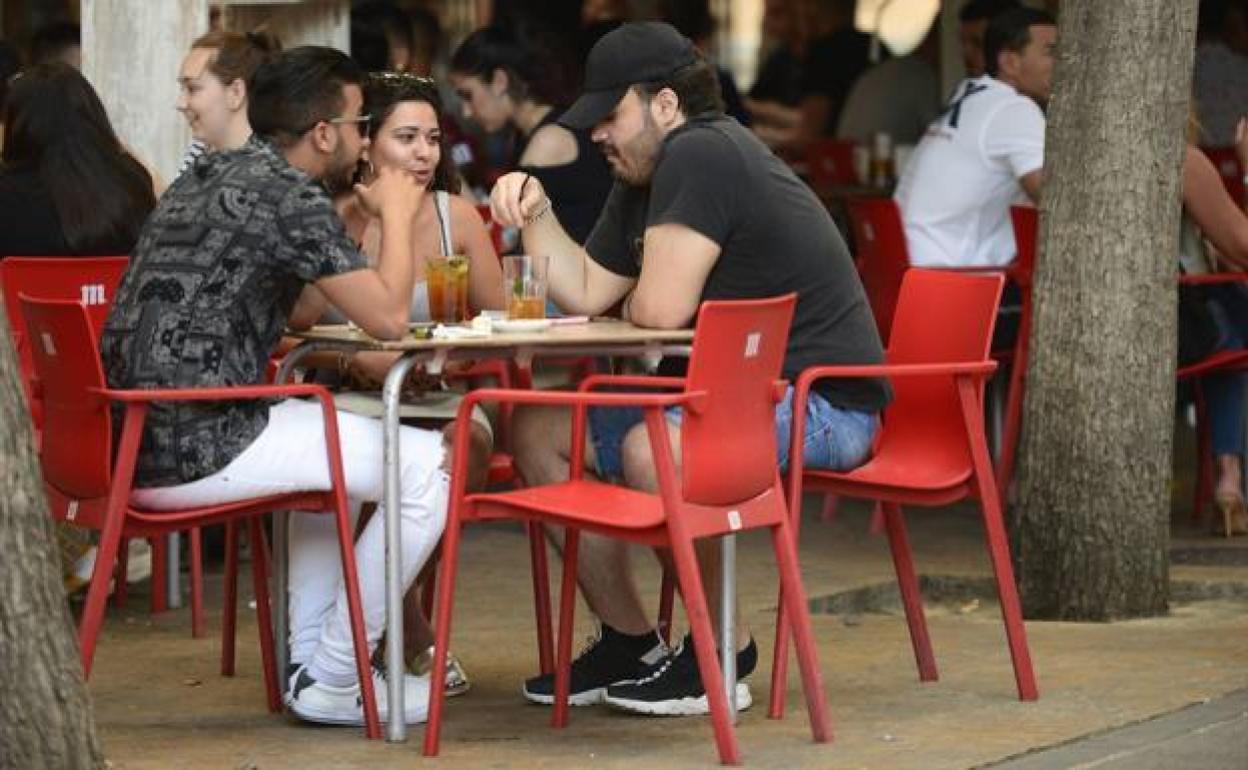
<point x="639" y="52"/>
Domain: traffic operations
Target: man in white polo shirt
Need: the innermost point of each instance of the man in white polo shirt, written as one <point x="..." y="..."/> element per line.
<point x="984" y="153"/>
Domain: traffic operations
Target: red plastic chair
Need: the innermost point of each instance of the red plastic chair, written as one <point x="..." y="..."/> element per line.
<point x="496" y="230"/>
<point x="882" y="257"/>
<point x="94" y="483"/>
<point x="727" y="482"/>
<point x="1217" y="362"/>
<point x="93" y="281"/>
<point x="1026" y="227"/>
<point x="830" y="162"/>
<point x="931" y="450"/>
<point x="1226" y="160"/>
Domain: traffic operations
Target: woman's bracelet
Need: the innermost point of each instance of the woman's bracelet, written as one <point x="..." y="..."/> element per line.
<point x="542" y="211"/>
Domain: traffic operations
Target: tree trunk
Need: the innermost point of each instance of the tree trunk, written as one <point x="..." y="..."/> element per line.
<point x="45" y="710"/>
<point x="1094" y="483"/>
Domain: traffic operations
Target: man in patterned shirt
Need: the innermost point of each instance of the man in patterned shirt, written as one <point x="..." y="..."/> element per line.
<point x="244" y="244"/>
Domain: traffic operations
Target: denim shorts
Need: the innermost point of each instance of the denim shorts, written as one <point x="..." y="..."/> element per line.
<point x="836" y="439"/>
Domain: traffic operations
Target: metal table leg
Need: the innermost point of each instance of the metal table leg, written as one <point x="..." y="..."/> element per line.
<point x="728" y="621"/>
<point x="173" y="570"/>
<point x="396" y="728"/>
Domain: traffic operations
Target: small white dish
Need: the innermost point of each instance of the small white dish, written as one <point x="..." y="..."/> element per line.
<point x="521" y="325"/>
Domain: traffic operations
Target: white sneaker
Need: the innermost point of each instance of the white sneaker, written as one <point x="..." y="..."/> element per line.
<point x="139" y="561"/>
<point x="313" y="701"/>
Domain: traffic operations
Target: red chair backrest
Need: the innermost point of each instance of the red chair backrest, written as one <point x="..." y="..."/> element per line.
<point x="92" y="281"/>
<point x="77" y="430"/>
<point x="882" y="256"/>
<point x="942" y="317"/>
<point x="1227" y="163"/>
<point x="831" y="162"/>
<point x="495" y="229"/>
<point x="1026" y="221"/>
<point x="728" y="443"/>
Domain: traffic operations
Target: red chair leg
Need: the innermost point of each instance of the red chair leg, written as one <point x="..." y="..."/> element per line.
<point x="908" y="583"/>
<point x="264" y="616"/>
<point x="541" y="596"/>
<point x="998" y="545"/>
<point x="442" y="630"/>
<point x="794" y="595"/>
<point x="160" y="567"/>
<point x="667" y="592"/>
<point x="831" y="504"/>
<point x="693" y="593"/>
<point x="229" y="605"/>
<point x="121" y="586"/>
<point x="567" y="610"/>
<point x="1204" y="455"/>
<point x="877" y="526"/>
<point x="197" y="584"/>
<point x="97" y="594"/>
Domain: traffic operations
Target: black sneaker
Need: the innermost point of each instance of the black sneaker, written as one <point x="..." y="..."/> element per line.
<point x="674" y="687"/>
<point x="609" y="658"/>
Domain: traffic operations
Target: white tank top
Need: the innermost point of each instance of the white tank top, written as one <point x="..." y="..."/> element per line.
<point x="371" y="242"/>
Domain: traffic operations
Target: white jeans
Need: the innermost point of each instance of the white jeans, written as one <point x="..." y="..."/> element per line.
<point x="289" y="456"/>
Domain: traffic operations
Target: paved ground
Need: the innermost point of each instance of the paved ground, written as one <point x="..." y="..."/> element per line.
<point x="160" y="702"/>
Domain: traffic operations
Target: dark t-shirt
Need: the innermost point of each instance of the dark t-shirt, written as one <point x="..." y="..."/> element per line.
<point x="578" y="189"/>
<point x="715" y="177"/>
<point x="832" y="65"/>
<point x="779" y="78"/>
<point x="213" y="278"/>
<point x="29" y="226"/>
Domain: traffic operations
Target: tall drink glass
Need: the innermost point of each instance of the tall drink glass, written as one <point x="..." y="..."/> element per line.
<point x="446" y="281"/>
<point x="524" y="285"/>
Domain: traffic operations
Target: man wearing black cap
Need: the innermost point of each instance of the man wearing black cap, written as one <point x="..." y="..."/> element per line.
<point x="716" y="216"/>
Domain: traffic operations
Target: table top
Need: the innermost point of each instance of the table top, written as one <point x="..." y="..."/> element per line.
<point x="591" y="333"/>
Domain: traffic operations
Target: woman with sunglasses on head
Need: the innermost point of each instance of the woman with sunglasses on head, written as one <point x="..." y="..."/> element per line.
<point x="213" y="89"/>
<point x="405" y="133"/>
<point x="510" y="76"/>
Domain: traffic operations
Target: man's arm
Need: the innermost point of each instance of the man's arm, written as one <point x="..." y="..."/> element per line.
<point x="577" y="283"/>
<point x="1031" y="183"/>
<point x="379" y="300"/>
<point x="308" y="309"/>
<point x="677" y="261"/>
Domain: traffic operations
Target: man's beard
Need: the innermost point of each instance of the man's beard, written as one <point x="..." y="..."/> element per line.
<point x="340" y="177"/>
<point x="643" y="151"/>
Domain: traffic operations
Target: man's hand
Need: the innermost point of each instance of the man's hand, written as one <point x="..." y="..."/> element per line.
<point x="394" y="193"/>
<point x="516" y="198"/>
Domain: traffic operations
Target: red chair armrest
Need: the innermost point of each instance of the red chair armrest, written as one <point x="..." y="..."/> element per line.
<point x="234" y="393"/>
<point x="974" y="368"/>
<point x="631" y="381"/>
<point x="567" y="398"/>
<point x="1205" y="279"/>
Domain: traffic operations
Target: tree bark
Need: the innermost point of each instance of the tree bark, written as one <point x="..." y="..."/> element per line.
<point x="45" y="710"/>
<point x="1094" y="482"/>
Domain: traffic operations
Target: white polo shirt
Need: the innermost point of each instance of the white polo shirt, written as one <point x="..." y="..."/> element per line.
<point x="956" y="191"/>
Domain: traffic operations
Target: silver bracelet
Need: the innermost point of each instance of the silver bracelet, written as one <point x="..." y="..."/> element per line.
<point x="541" y="212"/>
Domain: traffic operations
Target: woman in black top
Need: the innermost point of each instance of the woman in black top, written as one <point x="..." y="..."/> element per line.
<point x="67" y="186"/>
<point x="510" y="76"/>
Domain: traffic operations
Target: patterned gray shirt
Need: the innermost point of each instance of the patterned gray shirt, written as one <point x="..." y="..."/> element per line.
<point x="212" y="281"/>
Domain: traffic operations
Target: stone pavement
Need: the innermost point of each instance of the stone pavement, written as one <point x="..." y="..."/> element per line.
<point x="160" y="702"/>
